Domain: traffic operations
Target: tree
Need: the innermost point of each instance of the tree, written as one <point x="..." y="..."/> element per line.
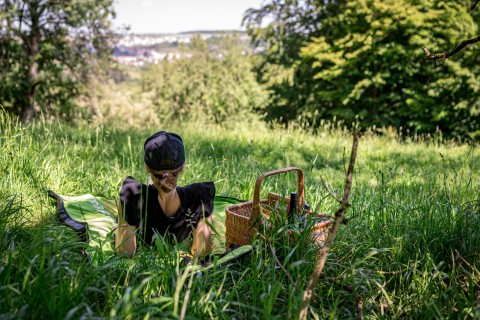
<point x="293" y="23"/>
<point x="49" y="49"/>
<point x="364" y="64"/>
<point x="211" y="81"/>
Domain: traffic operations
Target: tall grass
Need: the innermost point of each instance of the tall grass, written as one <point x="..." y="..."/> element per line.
<point x="409" y="250"/>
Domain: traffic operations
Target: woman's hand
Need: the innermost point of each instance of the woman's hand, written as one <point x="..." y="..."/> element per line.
<point x="202" y="238"/>
<point x="125" y="236"/>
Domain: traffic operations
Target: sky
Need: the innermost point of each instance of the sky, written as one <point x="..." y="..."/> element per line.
<point x="173" y="16"/>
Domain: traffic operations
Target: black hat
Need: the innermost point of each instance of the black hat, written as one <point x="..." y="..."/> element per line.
<point x="164" y="151"/>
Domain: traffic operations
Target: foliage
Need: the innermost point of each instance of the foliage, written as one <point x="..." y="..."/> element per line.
<point x="364" y="63"/>
<point x="293" y="23"/>
<point x="409" y="250"/>
<point x="215" y="82"/>
<point x="49" y="49"/>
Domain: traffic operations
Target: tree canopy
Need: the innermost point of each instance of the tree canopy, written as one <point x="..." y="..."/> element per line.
<point x="363" y="61"/>
<point x="48" y="49"/>
<point x="212" y="80"/>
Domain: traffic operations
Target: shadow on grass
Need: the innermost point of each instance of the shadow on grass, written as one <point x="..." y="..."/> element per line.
<point x="43" y="273"/>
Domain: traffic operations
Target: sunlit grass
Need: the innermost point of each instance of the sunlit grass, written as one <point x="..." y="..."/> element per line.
<point x="409" y="250"/>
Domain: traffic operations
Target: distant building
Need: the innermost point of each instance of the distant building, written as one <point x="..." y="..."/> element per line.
<point x="142" y="49"/>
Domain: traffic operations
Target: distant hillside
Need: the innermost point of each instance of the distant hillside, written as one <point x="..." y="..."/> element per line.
<point x="213" y="31"/>
<point x="141" y="49"/>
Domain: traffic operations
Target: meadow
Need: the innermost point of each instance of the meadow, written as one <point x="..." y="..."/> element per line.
<point x="410" y="249"/>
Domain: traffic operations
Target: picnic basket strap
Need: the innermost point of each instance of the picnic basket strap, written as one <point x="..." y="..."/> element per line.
<point x="256" y="195"/>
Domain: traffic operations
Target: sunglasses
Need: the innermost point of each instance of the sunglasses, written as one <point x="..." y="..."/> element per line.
<point x="164" y="175"/>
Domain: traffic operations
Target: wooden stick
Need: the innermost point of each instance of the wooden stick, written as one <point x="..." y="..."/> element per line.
<point x="339" y="217"/>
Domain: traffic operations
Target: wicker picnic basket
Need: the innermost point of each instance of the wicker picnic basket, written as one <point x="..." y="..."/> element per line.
<point x="242" y="219"/>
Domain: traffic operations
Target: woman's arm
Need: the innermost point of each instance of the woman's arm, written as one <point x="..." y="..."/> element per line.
<point x="125" y="236"/>
<point x="202" y="238"/>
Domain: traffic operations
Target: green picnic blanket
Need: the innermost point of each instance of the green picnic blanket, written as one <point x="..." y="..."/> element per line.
<point x="95" y="219"/>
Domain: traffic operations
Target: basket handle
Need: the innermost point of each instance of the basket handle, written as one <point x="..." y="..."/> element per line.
<point x="256" y="195"/>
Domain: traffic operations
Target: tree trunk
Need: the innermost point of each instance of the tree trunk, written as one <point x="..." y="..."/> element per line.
<point x="33" y="49"/>
<point x="32" y="108"/>
<point x="5" y="30"/>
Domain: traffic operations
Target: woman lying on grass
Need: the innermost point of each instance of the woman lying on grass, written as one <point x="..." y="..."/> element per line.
<point x="164" y="208"/>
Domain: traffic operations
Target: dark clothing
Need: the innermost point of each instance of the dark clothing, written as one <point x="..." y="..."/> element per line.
<point x="142" y="209"/>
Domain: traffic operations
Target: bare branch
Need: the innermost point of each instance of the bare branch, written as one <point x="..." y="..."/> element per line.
<point x="328" y="191"/>
<point x="339" y="218"/>
<point x="357" y="296"/>
<point x="444" y="55"/>
<point x="359" y="308"/>
<point x="474" y="4"/>
<point x="20" y="19"/>
<point x="474" y="270"/>
<point x="277" y="260"/>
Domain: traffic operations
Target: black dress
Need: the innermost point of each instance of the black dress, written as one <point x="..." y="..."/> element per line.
<point x="142" y="209"/>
